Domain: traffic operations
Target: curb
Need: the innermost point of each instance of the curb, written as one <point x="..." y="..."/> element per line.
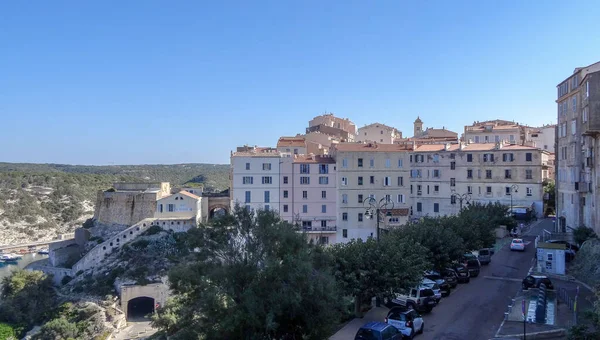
<point x="536" y="335"/>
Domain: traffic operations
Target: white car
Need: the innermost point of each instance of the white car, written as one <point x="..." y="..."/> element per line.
<point x="517" y="244"/>
<point x="407" y="321"/>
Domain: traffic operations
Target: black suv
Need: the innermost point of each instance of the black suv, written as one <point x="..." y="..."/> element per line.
<point x="450" y="276"/>
<point x="437" y="278"/>
<point x="473" y="266"/>
<point x="534" y="281"/>
<point x="462" y="273"/>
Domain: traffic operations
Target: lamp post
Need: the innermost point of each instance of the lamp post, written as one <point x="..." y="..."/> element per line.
<point x="513" y="188"/>
<point x="461" y="197"/>
<point x="375" y="207"/>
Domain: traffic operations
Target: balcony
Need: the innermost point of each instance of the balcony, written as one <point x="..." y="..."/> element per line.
<point x="591" y="127"/>
<point x="319" y="229"/>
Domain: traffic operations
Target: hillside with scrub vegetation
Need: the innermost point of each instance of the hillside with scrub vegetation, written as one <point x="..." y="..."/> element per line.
<point x="40" y="201"/>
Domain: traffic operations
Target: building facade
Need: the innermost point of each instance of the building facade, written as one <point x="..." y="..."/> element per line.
<point x="255" y="178"/>
<point x="181" y="205"/>
<point x="341" y="129"/>
<point x="308" y="195"/>
<point x="376" y="173"/>
<point x="294" y="145"/>
<point x="544" y="137"/>
<point x="378" y="133"/>
<point x="494" y="131"/>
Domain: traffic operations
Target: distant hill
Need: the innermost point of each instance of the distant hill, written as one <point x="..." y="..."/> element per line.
<point x="39" y="201"/>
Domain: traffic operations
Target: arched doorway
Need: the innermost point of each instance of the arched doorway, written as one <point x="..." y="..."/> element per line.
<point x="139" y="307"/>
<point x="218" y="211"/>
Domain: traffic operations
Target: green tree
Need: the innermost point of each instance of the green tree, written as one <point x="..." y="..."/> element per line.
<point x="251" y="277"/>
<point x="26" y="298"/>
<point x="369" y="268"/>
<point x="59" y="329"/>
<point x="476" y="224"/>
<point x="583" y="233"/>
<point x="7" y="332"/>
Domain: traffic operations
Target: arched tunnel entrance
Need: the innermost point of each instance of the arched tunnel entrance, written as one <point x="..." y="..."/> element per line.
<point x="218" y="211"/>
<point x="139" y="307"/>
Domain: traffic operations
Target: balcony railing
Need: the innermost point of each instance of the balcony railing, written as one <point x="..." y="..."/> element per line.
<point x="319" y="229"/>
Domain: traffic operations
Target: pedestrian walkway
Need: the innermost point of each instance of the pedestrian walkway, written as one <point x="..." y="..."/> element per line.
<point x="350" y="329"/>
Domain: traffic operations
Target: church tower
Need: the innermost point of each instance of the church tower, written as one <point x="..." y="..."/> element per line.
<point x="418" y="126"/>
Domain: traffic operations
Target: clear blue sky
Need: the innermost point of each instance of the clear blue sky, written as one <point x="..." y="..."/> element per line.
<point x="132" y="82"/>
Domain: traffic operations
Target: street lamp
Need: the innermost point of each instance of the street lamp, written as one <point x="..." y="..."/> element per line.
<point x="513" y="188"/>
<point x="375" y="207"/>
<point x="461" y="197"/>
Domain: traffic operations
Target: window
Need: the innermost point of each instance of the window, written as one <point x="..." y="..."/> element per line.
<point x="469" y="173"/>
<point x="436" y="158"/>
<point x="381" y="132"/>
<point x="411" y="189"/>
<point x="267" y="207"/>
<point x="344" y="217"/>
<point x="345" y="233"/>
<point x="512" y="138"/>
<point x="295" y="151"/>
<point x="285" y="208"/>
<point x="436" y="207"/>
<point x="160" y="208"/>
<point x="372" y="162"/>
<point x="267" y="180"/>
<point x="584" y="116"/>
<point x="488" y="190"/>
<point x="419" y="207"/>
<point x="436" y="173"/>
<point x="488" y="157"/>
<point x="496" y="138"/>
<point x="452" y="199"/>
<point x="372" y="179"/>
<point x="400" y="198"/>
<point x="247" y="166"/>
<point x="304" y="194"/>
<point x="488" y="174"/>
<point x="305" y="208"/>
<point x="285" y="179"/>
<point x="507" y="191"/>
<point x="436" y="189"/>
<point x="360" y="180"/>
<point x="528" y="174"/>
<point x="400" y="181"/>
<point x="419" y="189"/>
<point x="400" y="163"/>
<point x="360" y="217"/>
<point x="344" y="163"/>
<point x="344" y="181"/>
<point x="323" y="194"/>
<point x="469" y="189"/>
<point x="587" y="89"/>
<point x="573" y="126"/>
<point x="388" y="198"/>
<point x="323" y="168"/>
<point x="574" y="104"/>
<point x="469" y="157"/>
<point x="507" y="174"/>
<point x="452" y="165"/>
<point x="388" y="163"/>
<point x="267" y="196"/>
<point x="360" y="162"/>
<point x="387" y="181"/>
<point x="476" y="139"/>
<point x="528" y="157"/>
<point x="247" y="198"/>
<point x="266" y="166"/>
<point x="323" y="208"/>
<point x="360" y="198"/>
<point x="324" y="180"/>
<point x="415" y="173"/>
<point x="304" y="180"/>
<point x="247" y="180"/>
<point x="487" y="138"/>
<point x="285" y="194"/>
<point x="345" y="198"/>
<point x="452" y="182"/>
<point x="507" y="157"/>
<point x="305" y="168"/>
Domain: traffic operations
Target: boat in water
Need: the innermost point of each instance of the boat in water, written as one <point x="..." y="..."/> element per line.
<point x="44" y="251"/>
<point x="9" y="257"/>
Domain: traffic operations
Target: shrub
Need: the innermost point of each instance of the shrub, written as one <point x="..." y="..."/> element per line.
<point x="583" y="234"/>
<point x="153" y="230"/>
<point x="66" y="280"/>
<point x="141" y="244"/>
<point x="6" y="331"/>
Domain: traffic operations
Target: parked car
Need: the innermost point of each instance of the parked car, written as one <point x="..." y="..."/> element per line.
<point x="433" y="286"/>
<point x="534" y="281"/>
<point x="378" y="331"/>
<point x="450" y="276"/>
<point x="420" y="299"/>
<point x="406" y="320"/>
<point x="437" y="278"/>
<point x="485" y="256"/>
<point x="473" y="266"/>
<point x="517" y="244"/>
<point x="462" y="272"/>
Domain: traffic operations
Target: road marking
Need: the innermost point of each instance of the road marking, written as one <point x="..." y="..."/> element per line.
<point x="503" y="278"/>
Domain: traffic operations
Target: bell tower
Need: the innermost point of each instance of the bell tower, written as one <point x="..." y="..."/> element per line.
<point x="418" y="127"/>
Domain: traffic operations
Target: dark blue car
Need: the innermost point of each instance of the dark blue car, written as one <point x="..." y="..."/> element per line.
<point x="378" y="331"/>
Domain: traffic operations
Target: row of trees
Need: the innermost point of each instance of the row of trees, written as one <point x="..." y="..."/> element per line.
<point x="255" y="277"/>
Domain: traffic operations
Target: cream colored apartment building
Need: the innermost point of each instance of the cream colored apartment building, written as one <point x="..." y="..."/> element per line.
<point x="372" y="170"/>
<point x="486" y="172"/>
<point x="378" y="133"/>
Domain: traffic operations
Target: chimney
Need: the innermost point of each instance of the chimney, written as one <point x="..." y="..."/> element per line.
<point x="446" y="146"/>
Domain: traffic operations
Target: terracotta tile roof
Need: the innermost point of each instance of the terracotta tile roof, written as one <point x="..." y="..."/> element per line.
<point x="314" y="159"/>
<point x="188" y="194"/>
<point x="291" y="142"/>
<point x="473" y="147"/>
<point x="372" y="147"/>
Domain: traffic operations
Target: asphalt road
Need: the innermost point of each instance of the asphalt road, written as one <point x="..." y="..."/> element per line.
<point x="475" y="310"/>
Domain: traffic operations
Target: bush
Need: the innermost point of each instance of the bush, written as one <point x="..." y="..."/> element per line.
<point x="140" y="244"/>
<point x="153" y="230"/>
<point x="583" y="234"/>
<point x="7" y="332"/>
<point x="66" y="280"/>
<point x="88" y="223"/>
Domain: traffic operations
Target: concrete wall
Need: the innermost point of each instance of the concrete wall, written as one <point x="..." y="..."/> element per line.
<point x="64" y="257"/>
<point x="57" y="255"/>
<point x="57" y="273"/>
<point x="125" y="208"/>
<point x="158" y="291"/>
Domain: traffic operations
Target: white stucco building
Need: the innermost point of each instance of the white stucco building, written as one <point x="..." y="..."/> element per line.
<point x="378" y="133"/>
<point x="181" y="205"/>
